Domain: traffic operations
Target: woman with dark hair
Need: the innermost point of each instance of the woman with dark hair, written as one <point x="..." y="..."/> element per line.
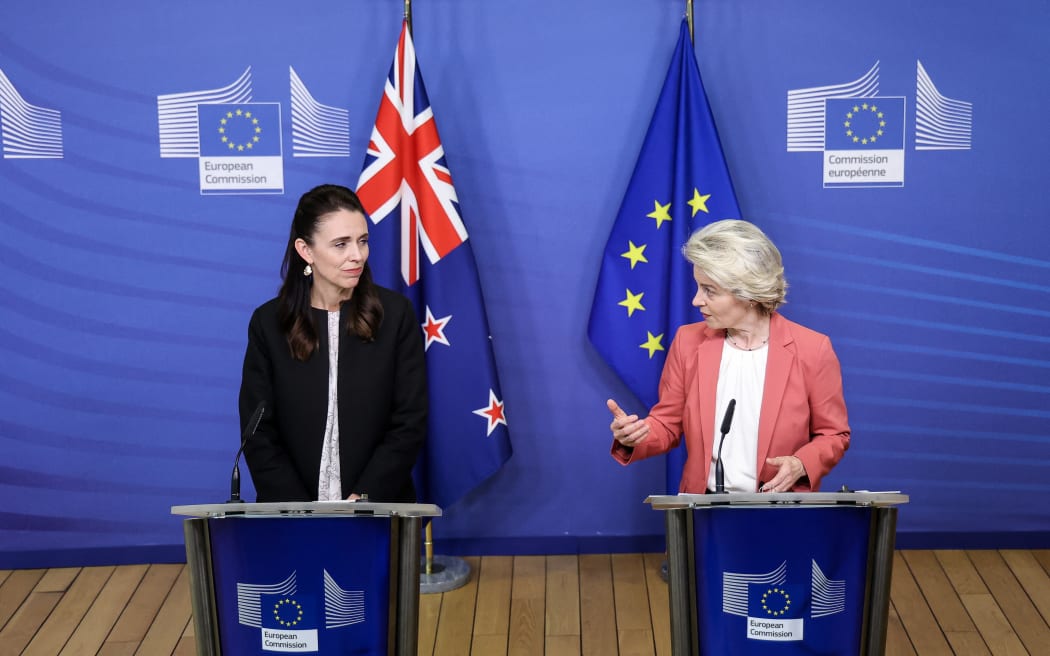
<point x="338" y="362"/>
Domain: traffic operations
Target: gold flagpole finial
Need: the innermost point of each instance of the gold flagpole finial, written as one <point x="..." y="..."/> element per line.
<point x="408" y="14"/>
<point x="688" y="19"/>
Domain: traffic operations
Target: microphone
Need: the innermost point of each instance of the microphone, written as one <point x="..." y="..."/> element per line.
<point x="727" y="421"/>
<point x="249" y="430"/>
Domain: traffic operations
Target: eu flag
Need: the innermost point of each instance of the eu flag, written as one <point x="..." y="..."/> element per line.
<point x="645" y="287"/>
<point x="864" y="123"/>
<point x="406" y="188"/>
<point x="239" y="129"/>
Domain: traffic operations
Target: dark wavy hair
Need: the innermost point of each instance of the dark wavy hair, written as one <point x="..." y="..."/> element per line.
<point x="293" y="301"/>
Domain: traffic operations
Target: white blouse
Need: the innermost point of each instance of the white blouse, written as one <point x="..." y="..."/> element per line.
<point x="329" y="486"/>
<point x="741" y="376"/>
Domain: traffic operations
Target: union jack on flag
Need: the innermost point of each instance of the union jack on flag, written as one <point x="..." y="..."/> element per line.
<point x="405" y="168"/>
<point x="405" y="174"/>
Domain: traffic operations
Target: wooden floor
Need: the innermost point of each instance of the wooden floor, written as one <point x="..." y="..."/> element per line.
<point x="943" y="602"/>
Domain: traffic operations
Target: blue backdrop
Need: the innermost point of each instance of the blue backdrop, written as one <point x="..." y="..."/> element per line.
<point x="127" y="290"/>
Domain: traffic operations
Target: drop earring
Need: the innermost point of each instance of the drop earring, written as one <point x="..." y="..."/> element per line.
<point x="308" y="270"/>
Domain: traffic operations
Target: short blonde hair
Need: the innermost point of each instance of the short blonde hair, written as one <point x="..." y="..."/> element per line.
<point x="741" y="259"/>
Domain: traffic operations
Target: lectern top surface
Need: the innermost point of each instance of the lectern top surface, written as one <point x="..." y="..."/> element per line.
<point x="671" y="501"/>
<point x="317" y="508"/>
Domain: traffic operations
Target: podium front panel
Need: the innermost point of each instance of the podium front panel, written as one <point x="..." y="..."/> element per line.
<point x="789" y="580"/>
<point x="304" y="584"/>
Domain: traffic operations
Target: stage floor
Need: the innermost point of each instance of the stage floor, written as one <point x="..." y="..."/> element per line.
<point x="942" y="602"/>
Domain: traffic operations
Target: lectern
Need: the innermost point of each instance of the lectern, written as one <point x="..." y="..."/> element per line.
<point x="784" y="573"/>
<point x="329" y="577"/>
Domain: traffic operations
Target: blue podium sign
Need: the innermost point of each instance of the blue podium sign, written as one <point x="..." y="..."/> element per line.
<point x="779" y="573"/>
<point x="328" y="577"/>
<point x="772" y="580"/>
<point x="306" y="585"/>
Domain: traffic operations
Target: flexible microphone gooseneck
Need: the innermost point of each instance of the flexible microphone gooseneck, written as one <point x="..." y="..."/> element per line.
<point x="727" y="421"/>
<point x="249" y="430"/>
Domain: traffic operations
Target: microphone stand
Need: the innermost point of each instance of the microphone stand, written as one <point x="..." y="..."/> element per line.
<point x="727" y="421"/>
<point x="249" y="431"/>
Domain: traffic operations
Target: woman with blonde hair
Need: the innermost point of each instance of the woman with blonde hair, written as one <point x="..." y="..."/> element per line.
<point x="789" y="426"/>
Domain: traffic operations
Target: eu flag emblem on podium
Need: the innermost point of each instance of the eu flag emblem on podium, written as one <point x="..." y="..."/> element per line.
<point x="645" y="286"/>
<point x="775" y="612"/>
<point x="289" y="623"/>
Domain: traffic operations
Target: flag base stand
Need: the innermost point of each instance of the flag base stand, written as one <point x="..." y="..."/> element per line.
<point x="446" y="573"/>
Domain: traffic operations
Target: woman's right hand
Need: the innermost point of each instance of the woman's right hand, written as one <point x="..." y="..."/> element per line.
<point x="627" y="429"/>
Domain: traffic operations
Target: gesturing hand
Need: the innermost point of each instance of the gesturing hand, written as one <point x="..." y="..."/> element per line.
<point x="627" y="429"/>
<point x="789" y="470"/>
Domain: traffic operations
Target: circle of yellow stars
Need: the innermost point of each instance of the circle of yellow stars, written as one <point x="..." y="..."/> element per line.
<point x="857" y="112"/>
<point x="239" y="115"/>
<point x="785" y="601"/>
<point x="296" y="609"/>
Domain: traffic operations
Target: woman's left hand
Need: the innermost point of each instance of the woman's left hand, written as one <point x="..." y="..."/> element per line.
<point x="790" y="469"/>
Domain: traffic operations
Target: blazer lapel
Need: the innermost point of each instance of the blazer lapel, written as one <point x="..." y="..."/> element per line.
<point x="709" y="357"/>
<point x="780" y="359"/>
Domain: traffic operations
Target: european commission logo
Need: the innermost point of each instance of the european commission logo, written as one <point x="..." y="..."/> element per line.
<point x="27" y="131"/>
<point x="776" y="610"/>
<point x="864" y="142"/>
<point x="290" y="622"/>
<point x="862" y="134"/>
<point x="239" y="143"/>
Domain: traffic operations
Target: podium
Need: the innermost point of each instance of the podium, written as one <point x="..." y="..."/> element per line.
<point x="316" y="577"/>
<point x="785" y="573"/>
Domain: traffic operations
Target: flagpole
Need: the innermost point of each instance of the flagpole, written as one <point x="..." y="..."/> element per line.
<point x="688" y="19"/>
<point x="428" y="541"/>
<point x="446" y="572"/>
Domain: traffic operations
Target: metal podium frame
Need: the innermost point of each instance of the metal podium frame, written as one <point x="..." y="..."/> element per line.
<point x="681" y="571"/>
<point x="406" y="526"/>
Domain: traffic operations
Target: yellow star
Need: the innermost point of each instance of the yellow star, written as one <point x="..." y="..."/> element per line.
<point x="224" y="139"/>
<point x="856" y="139"/>
<point x="849" y="133"/>
<point x="248" y="115"/>
<point x="255" y="121"/>
<point x="240" y="112"/>
<point x="231" y="145"/>
<point x="845" y="123"/>
<point x="239" y="147"/>
<point x="856" y="109"/>
<point x="255" y="139"/>
<point x="249" y="146"/>
<point x="229" y="114"/>
<point x="699" y="203"/>
<point x="864" y="105"/>
<point x="660" y="213"/>
<point x="652" y="344"/>
<point x="874" y="108"/>
<point x="871" y="139"/>
<point x="223" y="121"/>
<point x="633" y="302"/>
<point x="634" y="253"/>
<point x="258" y="130"/>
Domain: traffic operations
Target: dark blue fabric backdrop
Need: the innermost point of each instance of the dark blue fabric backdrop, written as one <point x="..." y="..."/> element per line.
<point x="126" y="291"/>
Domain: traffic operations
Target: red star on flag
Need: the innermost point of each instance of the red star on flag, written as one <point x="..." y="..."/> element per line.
<point x="434" y="329"/>
<point x="494" y="413"/>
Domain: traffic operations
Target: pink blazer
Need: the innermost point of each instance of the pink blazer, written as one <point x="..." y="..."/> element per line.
<point x="803" y="412"/>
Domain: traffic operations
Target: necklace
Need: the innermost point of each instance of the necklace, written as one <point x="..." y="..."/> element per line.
<point x="733" y="342"/>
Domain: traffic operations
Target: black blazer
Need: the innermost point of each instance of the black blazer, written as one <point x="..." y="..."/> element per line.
<point x="382" y="392"/>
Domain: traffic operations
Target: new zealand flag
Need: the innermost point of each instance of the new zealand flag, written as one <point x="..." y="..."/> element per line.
<point x="406" y="188"/>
